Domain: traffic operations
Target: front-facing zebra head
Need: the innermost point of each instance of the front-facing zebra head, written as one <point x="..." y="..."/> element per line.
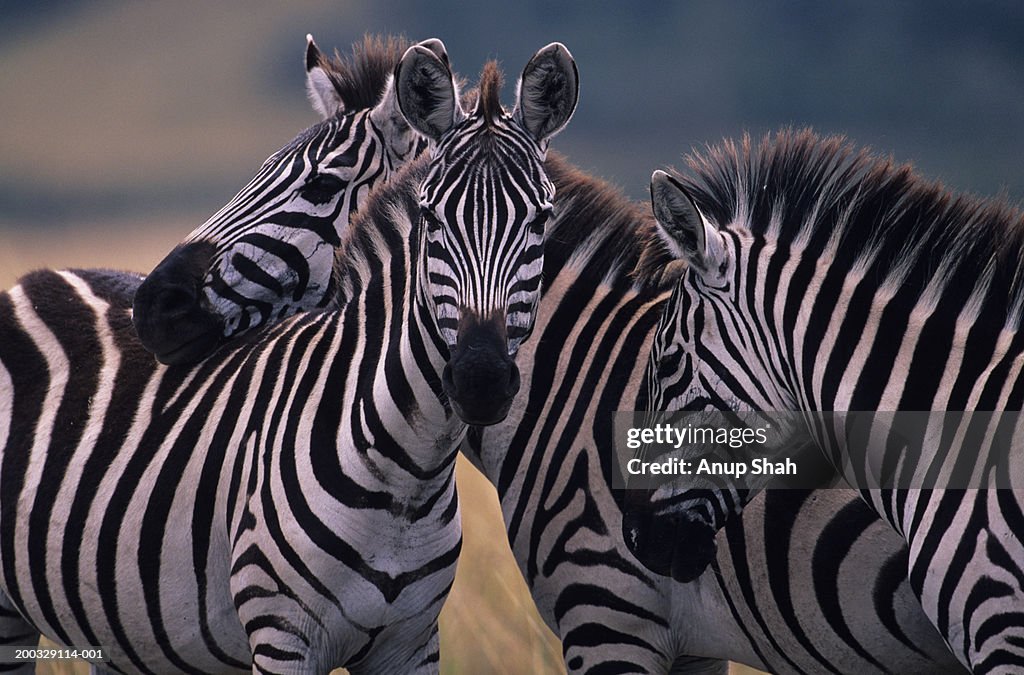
<point x="269" y="252"/>
<point x="483" y="207"/>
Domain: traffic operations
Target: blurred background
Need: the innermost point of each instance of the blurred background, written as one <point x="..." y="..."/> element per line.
<point x="126" y="124"/>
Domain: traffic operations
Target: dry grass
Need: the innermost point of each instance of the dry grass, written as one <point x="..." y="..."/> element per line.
<point x="489" y="623"/>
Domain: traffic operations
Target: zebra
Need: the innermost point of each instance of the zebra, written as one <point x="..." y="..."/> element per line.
<point x="288" y="503"/>
<point x="607" y="280"/>
<point x="776" y="237"/>
<point x="269" y="252"/>
<point x="601" y="255"/>
<point x="523" y="460"/>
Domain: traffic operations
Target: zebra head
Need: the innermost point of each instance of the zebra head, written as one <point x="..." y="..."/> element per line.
<point x="483" y="204"/>
<point x="717" y="346"/>
<point x="705" y="357"/>
<point x="269" y="252"/>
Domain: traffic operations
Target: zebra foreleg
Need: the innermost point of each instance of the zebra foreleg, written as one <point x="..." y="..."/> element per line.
<point x="15" y="632"/>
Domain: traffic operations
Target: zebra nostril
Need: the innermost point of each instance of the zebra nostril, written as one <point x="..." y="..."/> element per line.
<point x="175" y="301"/>
<point x="447" y="382"/>
<point x="514" y="381"/>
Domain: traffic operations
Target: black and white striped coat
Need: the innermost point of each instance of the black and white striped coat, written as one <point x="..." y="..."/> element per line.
<point x="929" y="287"/>
<point x="289" y="501"/>
<point x="552" y="462"/>
<point x="594" y="324"/>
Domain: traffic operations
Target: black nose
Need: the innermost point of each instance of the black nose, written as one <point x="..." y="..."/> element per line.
<point x="481" y="379"/>
<point x="668" y="544"/>
<point x="168" y="313"/>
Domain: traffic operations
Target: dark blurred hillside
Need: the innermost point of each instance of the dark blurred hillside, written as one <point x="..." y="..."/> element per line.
<point x="117" y="109"/>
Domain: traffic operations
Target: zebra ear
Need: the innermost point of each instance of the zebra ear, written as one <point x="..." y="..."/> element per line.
<point x="547" y="93"/>
<point x="321" y="91"/>
<point x="426" y="89"/>
<point x="436" y="46"/>
<point x="387" y="115"/>
<point x="688" y="235"/>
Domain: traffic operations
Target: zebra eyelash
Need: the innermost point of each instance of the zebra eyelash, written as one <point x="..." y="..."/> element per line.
<point x="432" y="222"/>
<point x="321" y="188"/>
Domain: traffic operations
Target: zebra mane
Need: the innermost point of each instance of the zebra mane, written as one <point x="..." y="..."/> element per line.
<point x="603" y="232"/>
<point x="825" y="198"/>
<point x="382" y="227"/>
<point x="360" y="78"/>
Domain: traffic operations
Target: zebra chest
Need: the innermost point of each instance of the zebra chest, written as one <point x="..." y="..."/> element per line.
<point x="377" y="530"/>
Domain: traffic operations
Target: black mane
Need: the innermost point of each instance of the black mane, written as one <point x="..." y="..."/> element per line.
<point x="359" y="78"/>
<point x="824" y="197"/>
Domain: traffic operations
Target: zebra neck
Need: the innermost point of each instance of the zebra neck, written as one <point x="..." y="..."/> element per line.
<point x="403" y="355"/>
<point x="892" y="347"/>
<point x="410" y="372"/>
<point x="578" y="365"/>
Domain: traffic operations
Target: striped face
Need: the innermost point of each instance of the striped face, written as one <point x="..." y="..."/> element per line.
<point x="483" y="206"/>
<point x="708" y="352"/>
<point x="705" y="357"/>
<point x="683" y="372"/>
<point x="269" y="252"/>
<point x="274" y="242"/>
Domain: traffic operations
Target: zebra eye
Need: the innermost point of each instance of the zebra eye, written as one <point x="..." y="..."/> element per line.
<point x="321" y="188"/>
<point x="540" y="220"/>
<point x="669" y="361"/>
<point x="432" y="222"/>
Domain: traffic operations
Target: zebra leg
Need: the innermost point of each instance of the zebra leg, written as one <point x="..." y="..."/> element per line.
<point x="695" y="665"/>
<point x="422" y="660"/>
<point x="15" y="631"/>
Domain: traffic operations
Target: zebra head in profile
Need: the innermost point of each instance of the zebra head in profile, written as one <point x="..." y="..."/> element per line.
<point x="483" y="207"/>
<point x="672" y="530"/>
<point x="269" y="252"/>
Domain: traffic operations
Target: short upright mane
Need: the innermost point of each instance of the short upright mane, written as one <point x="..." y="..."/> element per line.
<point x="827" y="198"/>
<point x="359" y="78"/>
<point x="489" y="101"/>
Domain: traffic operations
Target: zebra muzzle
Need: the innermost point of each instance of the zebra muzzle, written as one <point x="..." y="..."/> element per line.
<point x="168" y="313"/>
<point x="480" y="379"/>
<point x="670" y="544"/>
